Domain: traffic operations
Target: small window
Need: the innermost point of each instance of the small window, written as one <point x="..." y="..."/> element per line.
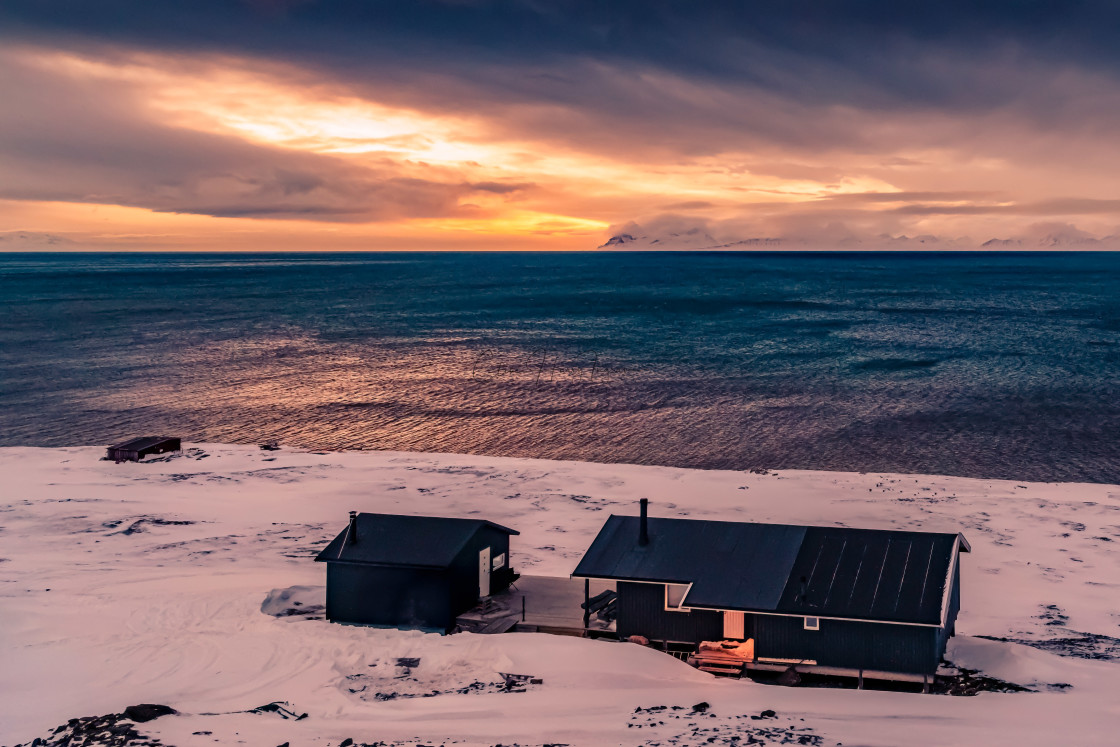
<point x="812" y="623"/>
<point x="674" y="597"/>
<point x="499" y="561"/>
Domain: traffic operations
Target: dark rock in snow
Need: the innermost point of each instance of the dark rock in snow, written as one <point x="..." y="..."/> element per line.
<point x="972" y="682"/>
<point x="147" y="712"/>
<point x="789" y="678"/>
<point x="112" y="730"/>
<point x="277" y="707"/>
<point x="141" y="524"/>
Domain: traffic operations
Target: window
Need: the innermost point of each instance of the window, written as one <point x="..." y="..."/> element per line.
<point x="499" y="561"/>
<point x="812" y="623"/>
<point x="674" y="597"/>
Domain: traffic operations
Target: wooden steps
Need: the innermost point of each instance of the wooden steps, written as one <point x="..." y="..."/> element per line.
<point x="723" y="662"/>
<point x="719" y="664"/>
<point x="722" y="670"/>
<point x="501" y="625"/>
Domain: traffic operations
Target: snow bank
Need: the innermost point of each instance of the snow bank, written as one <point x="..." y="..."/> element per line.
<point x="177" y="582"/>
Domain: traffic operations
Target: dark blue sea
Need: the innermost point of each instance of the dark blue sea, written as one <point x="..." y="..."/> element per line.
<point x="992" y="365"/>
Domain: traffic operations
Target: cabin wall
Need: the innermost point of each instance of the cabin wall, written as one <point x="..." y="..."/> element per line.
<point x="852" y="644"/>
<point x="398" y="597"/>
<point x="641" y="611"/>
<point x="170" y="444"/>
<point x="464" y="569"/>
<point x="950" y="628"/>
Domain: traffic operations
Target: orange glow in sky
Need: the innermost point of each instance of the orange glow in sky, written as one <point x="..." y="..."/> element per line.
<point x="354" y="172"/>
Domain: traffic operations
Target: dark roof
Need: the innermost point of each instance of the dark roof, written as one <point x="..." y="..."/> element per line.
<point x="418" y="541"/>
<point x="861" y="574"/>
<point x="144" y="442"/>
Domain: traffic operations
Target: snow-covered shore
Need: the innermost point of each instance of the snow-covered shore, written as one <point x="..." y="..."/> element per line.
<point x="131" y="583"/>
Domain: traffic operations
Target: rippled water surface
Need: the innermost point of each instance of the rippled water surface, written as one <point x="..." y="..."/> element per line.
<point x="995" y="365"/>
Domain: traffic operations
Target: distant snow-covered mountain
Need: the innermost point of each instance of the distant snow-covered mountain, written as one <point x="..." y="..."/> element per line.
<point x="32" y="240"/>
<point x="694" y="238"/>
<point x="699" y="239"/>
<point x="634" y="237"/>
<point x="1055" y="241"/>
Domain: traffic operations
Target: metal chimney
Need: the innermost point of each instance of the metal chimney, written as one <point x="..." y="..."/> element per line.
<point x="353" y="534"/>
<point x="643" y="523"/>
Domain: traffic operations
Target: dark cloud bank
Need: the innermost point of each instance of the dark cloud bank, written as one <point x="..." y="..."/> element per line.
<point x="652" y="80"/>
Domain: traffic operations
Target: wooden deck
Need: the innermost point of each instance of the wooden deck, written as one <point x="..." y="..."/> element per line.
<point x="729" y="663"/>
<point x="550" y="605"/>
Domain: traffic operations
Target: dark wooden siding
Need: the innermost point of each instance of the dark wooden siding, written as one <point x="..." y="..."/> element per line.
<point x="852" y="644"/>
<point x="373" y="595"/>
<point x="950" y="628"/>
<point x="127" y="453"/>
<point x="641" y="611"/>
<point x="464" y="569"/>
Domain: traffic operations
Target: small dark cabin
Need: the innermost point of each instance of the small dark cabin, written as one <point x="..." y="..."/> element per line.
<point x="847" y="602"/>
<point x="413" y="571"/>
<point x="138" y="448"/>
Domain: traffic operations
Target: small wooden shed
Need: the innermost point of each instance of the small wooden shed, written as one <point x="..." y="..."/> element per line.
<point x="413" y="571"/>
<point x="831" y="600"/>
<point x="138" y="448"/>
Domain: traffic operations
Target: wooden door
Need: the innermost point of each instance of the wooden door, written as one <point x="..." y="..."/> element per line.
<point x="734" y="625"/>
<point x="484" y="572"/>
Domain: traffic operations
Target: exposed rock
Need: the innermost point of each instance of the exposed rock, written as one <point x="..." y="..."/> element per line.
<point x="789" y="678"/>
<point x="1074" y="643"/>
<point x="112" y="730"/>
<point x="147" y="711"/>
<point x="296" y="601"/>
<point x="141" y="524"/>
<point x="970" y="682"/>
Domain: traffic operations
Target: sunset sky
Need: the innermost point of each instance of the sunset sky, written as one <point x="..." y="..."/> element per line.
<point x="466" y="124"/>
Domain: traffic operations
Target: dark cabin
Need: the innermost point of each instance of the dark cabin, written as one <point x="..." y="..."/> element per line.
<point x="413" y="571"/>
<point x="138" y="448"/>
<point x="846" y="602"/>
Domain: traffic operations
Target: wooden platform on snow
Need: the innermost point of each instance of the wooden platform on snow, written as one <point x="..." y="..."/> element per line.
<point x="551" y="604"/>
<point x="729" y="663"/>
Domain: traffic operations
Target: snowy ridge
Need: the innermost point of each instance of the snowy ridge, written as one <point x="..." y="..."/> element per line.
<point x="144" y="583"/>
<point x="700" y="239"/>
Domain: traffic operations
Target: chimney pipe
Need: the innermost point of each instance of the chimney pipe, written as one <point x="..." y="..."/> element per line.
<point x="353" y="534"/>
<point x="643" y="523"/>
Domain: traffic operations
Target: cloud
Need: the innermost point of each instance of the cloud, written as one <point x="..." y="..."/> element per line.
<point x="1056" y="206"/>
<point x="706" y="77"/>
<point x="875" y="197"/>
<point x="804" y="119"/>
<point x="690" y="205"/>
<point x="95" y="141"/>
<point x="501" y="188"/>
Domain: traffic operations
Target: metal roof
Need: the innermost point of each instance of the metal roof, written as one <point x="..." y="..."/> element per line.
<point x="862" y="574"/>
<point x="143" y="442"/>
<point x="870" y="575"/>
<point x="416" y="541"/>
